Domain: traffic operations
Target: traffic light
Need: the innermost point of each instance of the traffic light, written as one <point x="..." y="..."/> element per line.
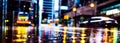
<point x="66" y="17"/>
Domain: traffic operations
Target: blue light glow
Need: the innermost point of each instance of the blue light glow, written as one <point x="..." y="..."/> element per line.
<point x="111" y="7"/>
<point x="64" y="7"/>
<point x="56" y="5"/>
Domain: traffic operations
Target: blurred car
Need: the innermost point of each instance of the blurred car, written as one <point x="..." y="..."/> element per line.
<point x="99" y="21"/>
<point x="23" y="19"/>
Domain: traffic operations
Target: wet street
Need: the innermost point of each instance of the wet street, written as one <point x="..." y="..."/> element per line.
<point x="59" y="21"/>
<point x="78" y="35"/>
<point x="57" y="34"/>
<point x="19" y="34"/>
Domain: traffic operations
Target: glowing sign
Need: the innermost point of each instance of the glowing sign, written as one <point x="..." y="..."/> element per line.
<point x="111" y="7"/>
<point x="64" y="7"/>
<point x="56" y="5"/>
<point x="111" y="12"/>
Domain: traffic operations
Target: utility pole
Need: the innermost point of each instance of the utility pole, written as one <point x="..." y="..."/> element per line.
<point x="74" y="10"/>
<point x="92" y="5"/>
<point x="40" y="7"/>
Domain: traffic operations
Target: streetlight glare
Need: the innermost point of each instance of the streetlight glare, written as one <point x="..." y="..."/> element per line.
<point x="92" y="5"/>
<point x="74" y="9"/>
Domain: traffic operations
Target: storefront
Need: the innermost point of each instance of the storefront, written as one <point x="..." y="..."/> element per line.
<point x="113" y="12"/>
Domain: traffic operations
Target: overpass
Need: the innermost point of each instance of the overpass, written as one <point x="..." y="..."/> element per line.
<point x="84" y="10"/>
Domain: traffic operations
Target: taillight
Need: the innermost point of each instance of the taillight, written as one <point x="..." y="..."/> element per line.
<point x="108" y="21"/>
<point x="116" y="21"/>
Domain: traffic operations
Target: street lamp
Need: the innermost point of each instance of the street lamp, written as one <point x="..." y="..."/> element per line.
<point x="74" y="10"/>
<point x="92" y="5"/>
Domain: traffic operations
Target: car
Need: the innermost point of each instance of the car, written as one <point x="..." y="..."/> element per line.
<point x="99" y="21"/>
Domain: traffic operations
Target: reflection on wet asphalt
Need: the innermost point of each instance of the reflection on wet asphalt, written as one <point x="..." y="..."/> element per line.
<point x="19" y="34"/>
<point x="78" y="35"/>
<point x="52" y="34"/>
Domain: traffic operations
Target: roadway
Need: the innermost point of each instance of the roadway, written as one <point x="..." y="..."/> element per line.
<point x="59" y="34"/>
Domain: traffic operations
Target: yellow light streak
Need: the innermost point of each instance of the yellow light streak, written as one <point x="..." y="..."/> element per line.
<point x="19" y="40"/>
<point x="6" y="21"/>
<point x="21" y="34"/>
<point x="82" y="35"/>
<point x="22" y="17"/>
<point x="105" y="37"/>
<point x="25" y="36"/>
<point x="24" y="22"/>
<point x="82" y="38"/>
<point x="18" y="36"/>
<point x="73" y="41"/>
<point x="21" y="30"/>
<point x="74" y="31"/>
<point x="6" y="28"/>
<point x="113" y="35"/>
<point x="82" y="41"/>
<point x="64" y="35"/>
<point x="64" y="41"/>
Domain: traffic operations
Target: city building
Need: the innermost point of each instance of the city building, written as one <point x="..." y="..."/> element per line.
<point x="69" y="4"/>
<point x="9" y="10"/>
<point x="50" y="9"/>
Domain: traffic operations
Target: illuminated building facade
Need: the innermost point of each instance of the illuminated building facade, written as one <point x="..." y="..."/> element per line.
<point x="50" y="9"/>
<point x="110" y="8"/>
<point x="9" y="10"/>
<point x="68" y="5"/>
